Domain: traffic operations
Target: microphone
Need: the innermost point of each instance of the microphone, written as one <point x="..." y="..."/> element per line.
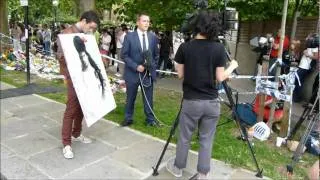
<point x="147" y="61"/>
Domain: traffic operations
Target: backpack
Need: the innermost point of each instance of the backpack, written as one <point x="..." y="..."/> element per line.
<point x="245" y="113"/>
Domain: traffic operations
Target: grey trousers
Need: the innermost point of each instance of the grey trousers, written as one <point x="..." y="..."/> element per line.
<point x="205" y="113"/>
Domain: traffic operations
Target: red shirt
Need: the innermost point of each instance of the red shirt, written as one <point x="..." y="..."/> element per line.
<point x="274" y="52"/>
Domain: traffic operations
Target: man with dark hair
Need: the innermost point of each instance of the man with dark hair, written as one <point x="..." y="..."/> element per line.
<point x="200" y="62"/>
<point x="73" y="115"/>
<point x="140" y="53"/>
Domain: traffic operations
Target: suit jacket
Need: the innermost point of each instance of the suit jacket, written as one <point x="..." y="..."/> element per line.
<point x="132" y="55"/>
<point x="63" y="67"/>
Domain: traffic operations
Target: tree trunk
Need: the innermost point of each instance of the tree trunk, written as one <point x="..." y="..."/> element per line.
<point x="3" y="20"/>
<point x="295" y="19"/>
<point x="4" y="17"/>
<point x="76" y="11"/>
<point x="86" y="5"/>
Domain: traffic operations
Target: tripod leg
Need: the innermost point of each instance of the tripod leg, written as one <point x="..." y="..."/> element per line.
<point x="305" y="113"/>
<point x="245" y="135"/>
<point x="299" y="151"/>
<point x="173" y="128"/>
<point x="242" y="129"/>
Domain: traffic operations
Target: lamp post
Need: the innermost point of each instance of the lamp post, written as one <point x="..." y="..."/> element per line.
<point x="24" y="3"/>
<point x="55" y="3"/>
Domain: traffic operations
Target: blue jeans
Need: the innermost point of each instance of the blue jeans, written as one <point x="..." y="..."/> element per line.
<point x="47" y="47"/>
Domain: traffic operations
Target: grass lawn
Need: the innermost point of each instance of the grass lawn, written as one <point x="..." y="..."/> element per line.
<point x="226" y="148"/>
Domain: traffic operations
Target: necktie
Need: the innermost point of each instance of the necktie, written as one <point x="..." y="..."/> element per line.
<point x="144" y="46"/>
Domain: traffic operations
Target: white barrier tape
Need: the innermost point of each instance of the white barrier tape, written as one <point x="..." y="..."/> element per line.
<point x="274" y="93"/>
<point x="169" y="72"/>
<point x="116" y="60"/>
<point x="111" y="58"/>
<point x="250" y="77"/>
<point x="275" y="63"/>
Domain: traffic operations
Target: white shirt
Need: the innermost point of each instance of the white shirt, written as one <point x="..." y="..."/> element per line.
<point x="141" y="38"/>
<point x="120" y="39"/>
<point x="106" y="40"/>
<point x="305" y="61"/>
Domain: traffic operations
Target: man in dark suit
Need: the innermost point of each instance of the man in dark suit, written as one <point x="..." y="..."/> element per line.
<point x="140" y="52"/>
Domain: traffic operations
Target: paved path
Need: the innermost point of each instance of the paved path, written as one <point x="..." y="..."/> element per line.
<point x="31" y="147"/>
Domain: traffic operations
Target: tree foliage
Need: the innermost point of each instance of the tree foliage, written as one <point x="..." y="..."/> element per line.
<point x="42" y="11"/>
<point x="271" y="9"/>
<point x="165" y="14"/>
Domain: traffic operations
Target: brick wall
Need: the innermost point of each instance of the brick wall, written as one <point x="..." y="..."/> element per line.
<point x="249" y="30"/>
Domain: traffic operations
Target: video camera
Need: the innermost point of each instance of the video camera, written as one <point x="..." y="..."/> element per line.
<point x="265" y="41"/>
<point x="229" y="17"/>
<point x="312" y="41"/>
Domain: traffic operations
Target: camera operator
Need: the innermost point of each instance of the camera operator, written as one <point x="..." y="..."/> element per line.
<point x="200" y="62"/>
<point x="307" y="62"/>
<point x="264" y="51"/>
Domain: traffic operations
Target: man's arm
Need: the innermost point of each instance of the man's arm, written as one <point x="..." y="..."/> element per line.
<point x="314" y="54"/>
<point x="125" y="54"/>
<point x="180" y="70"/>
<point x="222" y="74"/>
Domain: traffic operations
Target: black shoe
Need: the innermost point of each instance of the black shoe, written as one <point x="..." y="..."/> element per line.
<point x="126" y="123"/>
<point x="152" y="124"/>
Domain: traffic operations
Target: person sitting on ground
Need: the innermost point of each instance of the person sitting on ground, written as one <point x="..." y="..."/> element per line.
<point x="278" y="113"/>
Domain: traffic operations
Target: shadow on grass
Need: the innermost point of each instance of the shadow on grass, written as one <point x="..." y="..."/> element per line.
<point x="29" y="89"/>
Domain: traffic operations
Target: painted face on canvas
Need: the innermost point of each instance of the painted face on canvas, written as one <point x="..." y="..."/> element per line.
<point x="143" y="22"/>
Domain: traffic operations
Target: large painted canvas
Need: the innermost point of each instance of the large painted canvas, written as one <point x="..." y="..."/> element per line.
<point x="88" y="75"/>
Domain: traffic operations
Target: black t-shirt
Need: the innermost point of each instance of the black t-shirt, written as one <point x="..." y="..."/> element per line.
<point x="200" y="58"/>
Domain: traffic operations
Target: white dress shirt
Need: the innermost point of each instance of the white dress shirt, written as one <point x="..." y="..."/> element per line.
<point x="141" y="38"/>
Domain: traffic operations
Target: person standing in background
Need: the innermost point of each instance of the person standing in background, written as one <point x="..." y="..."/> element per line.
<point x="120" y="38"/>
<point x="46" y="34"/>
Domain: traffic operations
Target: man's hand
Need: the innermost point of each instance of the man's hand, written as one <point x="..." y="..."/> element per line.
<point x="266" y="57"/>
<point x="233" y="64"/>
<point x="140" y="68"/>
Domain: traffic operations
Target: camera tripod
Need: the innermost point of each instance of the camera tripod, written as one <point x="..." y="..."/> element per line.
<point x="313" y="116"/>
<point x="241" y="127"/>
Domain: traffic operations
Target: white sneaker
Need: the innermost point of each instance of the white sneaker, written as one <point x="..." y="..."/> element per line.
<point x="200" y="176"/>
<point x="67" y="152"/>
<point x="82" y="139"/>
<point x="118" y="74"/>
<point x="173" y="169"/>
